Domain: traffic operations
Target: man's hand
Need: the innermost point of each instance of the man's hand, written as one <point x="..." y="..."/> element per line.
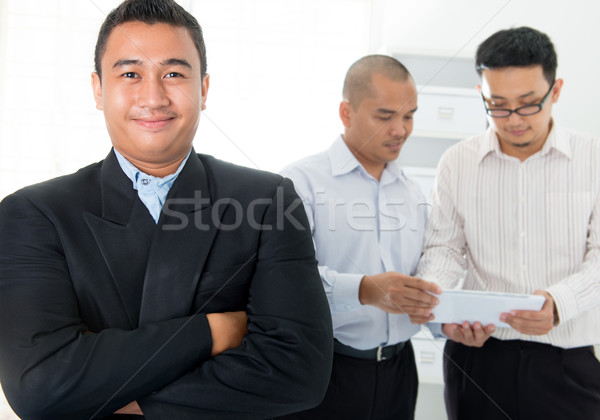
<point x="400" y="294"/>
<point x="131" y="408"/>
<point x="227" y="330"/>
<point x="469" y="335"/>
<point x="533" y="322"/>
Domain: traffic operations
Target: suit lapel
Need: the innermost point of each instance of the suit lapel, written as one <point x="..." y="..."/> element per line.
<point x="123" y="234"/>
<point x="180" y="246"/>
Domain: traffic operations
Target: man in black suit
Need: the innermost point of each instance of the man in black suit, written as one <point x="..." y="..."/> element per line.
<point x="159" y="282"/>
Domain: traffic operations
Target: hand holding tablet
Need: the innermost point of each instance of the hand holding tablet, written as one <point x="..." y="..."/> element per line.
<point x="457" y="306"/>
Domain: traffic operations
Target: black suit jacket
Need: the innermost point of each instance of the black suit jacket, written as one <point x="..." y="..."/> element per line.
<point x="99" y="306"/>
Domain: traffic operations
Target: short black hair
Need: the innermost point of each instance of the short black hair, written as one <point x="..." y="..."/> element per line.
<point x="517" y="47"/>
<point x="150" y="12"/>
<point x="357" y="84"/>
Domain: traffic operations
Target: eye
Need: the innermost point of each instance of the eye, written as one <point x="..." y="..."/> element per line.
<point x="130" y="75"/>
<point x="173" y="74"/>
<point x="496" y="104"/>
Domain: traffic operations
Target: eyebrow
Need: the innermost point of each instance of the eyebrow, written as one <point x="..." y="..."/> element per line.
<point x="391" y="111"/>
<point x="520" y="97"/>
<point x="137" y="62"/>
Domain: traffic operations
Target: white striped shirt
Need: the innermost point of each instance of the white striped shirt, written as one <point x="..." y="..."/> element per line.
<point x="511" y="226"/>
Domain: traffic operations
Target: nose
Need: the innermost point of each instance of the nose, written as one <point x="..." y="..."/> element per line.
<point x="515" y="119"/>
<point x="152" y="94"/>
<point x="399" y="127"/>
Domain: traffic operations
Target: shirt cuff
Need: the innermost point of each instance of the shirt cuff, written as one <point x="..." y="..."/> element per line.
<point x="565" y="302"/>
<point x="345" y="292"/>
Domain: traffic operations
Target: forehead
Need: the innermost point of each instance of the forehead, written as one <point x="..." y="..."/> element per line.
<point x="399" y="95"/>
<point x="513" y="81"/>
<point x="149" y="43"/>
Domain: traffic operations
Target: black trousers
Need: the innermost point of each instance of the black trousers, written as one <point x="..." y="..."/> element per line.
<point x="521" y="380"/>
<point x="366" y="389"/>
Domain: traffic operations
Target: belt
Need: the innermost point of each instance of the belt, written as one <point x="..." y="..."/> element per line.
<point x="379" y="353"/>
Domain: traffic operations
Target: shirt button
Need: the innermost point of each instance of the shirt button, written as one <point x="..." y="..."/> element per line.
<point x="523" y="234"/>
<point x="145" y="181"/>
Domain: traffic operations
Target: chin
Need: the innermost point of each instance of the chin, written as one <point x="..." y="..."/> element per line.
<point x="521" y="145"/>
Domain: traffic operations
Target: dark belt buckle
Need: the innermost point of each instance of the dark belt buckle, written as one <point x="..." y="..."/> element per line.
<point x="380" y="355"/>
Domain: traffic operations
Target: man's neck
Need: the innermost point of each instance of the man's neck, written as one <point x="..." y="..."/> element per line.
<point x="159" y="169"/>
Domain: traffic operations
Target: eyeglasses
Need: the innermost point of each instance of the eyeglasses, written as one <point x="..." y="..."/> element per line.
<point x="522" y="111"/>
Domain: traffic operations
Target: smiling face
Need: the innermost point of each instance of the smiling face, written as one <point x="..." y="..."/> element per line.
<point x="376" y="130"/>
<point x="514" y="87"/>
<point x="151" y="94"/>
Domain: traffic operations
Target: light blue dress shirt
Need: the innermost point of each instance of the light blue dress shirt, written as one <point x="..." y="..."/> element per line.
<point x="360" y="227"/>
<point x="152" y="190"/>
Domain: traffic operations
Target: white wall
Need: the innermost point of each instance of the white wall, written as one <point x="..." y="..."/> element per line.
<point x="459" y="26"/>
<point x="276" y="71"/>
<point x="276" y="76"/>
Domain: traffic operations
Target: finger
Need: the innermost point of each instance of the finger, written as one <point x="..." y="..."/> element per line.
<point x="528" y="315"/>
<point x="479" y="334"/>
<point x="466" y="331"/>
<point x="448" y="330"/>
<point x="526" y="318"/>
<point x="420" y="298"/>
<point x="421" y="319"/>
<point x="489" y="329"/>
<point x="407" y="299"/>
<point x="531" y="327"/>
<point x="417" y="311"/>
<point x="425" y="286"/>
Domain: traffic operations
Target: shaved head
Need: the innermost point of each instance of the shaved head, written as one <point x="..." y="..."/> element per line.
<point x="358" y="83"/>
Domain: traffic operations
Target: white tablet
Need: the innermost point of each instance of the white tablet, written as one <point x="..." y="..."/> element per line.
<point x="457" y="306"/>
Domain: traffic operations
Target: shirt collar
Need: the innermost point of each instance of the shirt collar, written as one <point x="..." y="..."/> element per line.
<point x="559" y="140"/>
<point x="343" y="161"/>
<point x="555" y="140"/>
<point x="134" y="174"/>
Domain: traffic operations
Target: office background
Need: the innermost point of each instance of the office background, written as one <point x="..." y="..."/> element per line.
<point x="276" y="71"/>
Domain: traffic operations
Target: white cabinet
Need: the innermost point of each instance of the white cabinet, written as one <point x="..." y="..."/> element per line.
<point x="429" y="353"/>
<point x="444" y="117"/>
<point x="448" y="112"/>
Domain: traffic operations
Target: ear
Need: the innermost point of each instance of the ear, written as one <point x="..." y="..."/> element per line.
<point x="558" y="84"/>
<point x="97" y="89"/>
<point x="204" y="92"/>
<point x="345" y="113"/>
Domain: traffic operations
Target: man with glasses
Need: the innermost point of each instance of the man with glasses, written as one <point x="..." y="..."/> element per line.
<point x="517" y="209"/>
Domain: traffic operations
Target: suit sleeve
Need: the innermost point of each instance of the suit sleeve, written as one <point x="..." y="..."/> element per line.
<point x="284" y="362"/>
<point x="51" y="367"/>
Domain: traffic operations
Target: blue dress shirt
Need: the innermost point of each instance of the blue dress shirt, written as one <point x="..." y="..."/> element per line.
<point x="152" y="190"/>
<point x="360" y="227"/>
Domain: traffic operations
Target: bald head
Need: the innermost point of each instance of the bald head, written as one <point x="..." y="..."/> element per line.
<point x="358" y="85"/>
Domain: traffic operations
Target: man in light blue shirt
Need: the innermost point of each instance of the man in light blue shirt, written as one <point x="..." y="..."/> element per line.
<point x="367" y="220"/>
